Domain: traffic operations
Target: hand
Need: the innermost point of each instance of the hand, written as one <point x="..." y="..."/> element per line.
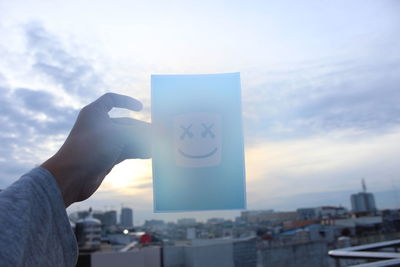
<point x="95" y="145"/>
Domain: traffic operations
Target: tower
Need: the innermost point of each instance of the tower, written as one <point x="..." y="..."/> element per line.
<point x="363" y="201"/>
<point x="126" y="219"/>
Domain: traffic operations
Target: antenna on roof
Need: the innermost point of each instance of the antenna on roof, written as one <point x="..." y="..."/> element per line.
<point x="364" y="186"/>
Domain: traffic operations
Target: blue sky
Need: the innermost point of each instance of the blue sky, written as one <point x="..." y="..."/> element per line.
<point x="320" y="81"/>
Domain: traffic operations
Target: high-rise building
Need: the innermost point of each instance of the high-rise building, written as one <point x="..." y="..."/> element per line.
<point x="110" y="218"/>
<point x="126" y="219"/>
<point x="363" y="201"/>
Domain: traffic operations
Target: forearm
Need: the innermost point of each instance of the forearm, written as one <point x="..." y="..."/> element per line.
<point x="36" y="229"/>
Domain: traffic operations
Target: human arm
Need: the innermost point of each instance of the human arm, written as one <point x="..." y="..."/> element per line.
<point x="36" y="230"/>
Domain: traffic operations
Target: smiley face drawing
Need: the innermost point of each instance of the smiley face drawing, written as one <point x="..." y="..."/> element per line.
<point x="197" y="139"/>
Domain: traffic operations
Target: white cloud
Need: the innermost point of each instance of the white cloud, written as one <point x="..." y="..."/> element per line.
<point x="331" y="162"/>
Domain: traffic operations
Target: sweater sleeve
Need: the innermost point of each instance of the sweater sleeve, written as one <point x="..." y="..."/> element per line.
<point x="34" y="226"/>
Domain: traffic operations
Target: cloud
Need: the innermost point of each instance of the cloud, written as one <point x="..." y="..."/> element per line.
<point x="36" y="121"/>
<point x="57" y="119"/>
<point x="31" y="121"/>
<point x="28" y="113"/>
<point x="353" y="95"/>
<point x="329" y="163"/>
<point x="363" y="98"/>
<point x="76" y="76"/>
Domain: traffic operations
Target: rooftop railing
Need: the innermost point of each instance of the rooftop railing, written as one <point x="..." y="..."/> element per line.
<point x="376" y="254"/>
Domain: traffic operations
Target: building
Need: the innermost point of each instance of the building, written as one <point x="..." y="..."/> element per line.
<point x="110" y="218"/>
<point x="191" y="233"/>
<point x="309" y="213"/>
<point x="361" y="226"/>
<point x="144" y="257"/>
<point x="99" y="215"/>
<point x="324" y="212"/>
<point x="391" y="220"/>
<point x="215" y="220"/>
<point x="186" y="222"/>
<point x="332" y="212"/>
<point x="212" y="253"/>
<point x="249" y="215"/>
<point x="363" y="201"/>
<point x="126" y="218"/>
<point x="88" y="233"/>
<point x="154" y="223"/>
<point x="268" y="216"/>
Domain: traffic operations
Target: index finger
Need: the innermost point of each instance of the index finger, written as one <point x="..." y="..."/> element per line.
<point x="112" y="100"/>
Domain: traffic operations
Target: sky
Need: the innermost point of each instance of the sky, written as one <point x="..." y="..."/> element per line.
<point x="320" y="89"/>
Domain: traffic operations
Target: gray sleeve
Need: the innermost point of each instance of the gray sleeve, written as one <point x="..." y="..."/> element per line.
<point x="34" y="226"/>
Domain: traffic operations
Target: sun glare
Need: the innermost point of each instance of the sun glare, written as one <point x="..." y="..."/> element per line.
<point x="128" y="177"/>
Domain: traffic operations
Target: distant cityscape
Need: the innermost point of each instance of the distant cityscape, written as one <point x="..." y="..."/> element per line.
<point x="255" y="238"/>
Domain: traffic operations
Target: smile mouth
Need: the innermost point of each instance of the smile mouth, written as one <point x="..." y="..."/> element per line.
<point x="198" y="156"/>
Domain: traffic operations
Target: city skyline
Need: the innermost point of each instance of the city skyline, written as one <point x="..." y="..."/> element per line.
<point x="320" y="89"/>
<point x="385" y="200"/>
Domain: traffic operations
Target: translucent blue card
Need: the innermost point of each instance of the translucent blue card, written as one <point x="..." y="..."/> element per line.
<point x="198" y="150"/>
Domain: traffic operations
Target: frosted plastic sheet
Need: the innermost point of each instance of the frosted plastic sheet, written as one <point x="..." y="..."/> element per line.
<point x="198" y="150"/>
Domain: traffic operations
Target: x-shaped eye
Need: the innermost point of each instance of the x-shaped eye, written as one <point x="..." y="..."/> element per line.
<point x="207" y="130"/>
<point x="186" y="131"/>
